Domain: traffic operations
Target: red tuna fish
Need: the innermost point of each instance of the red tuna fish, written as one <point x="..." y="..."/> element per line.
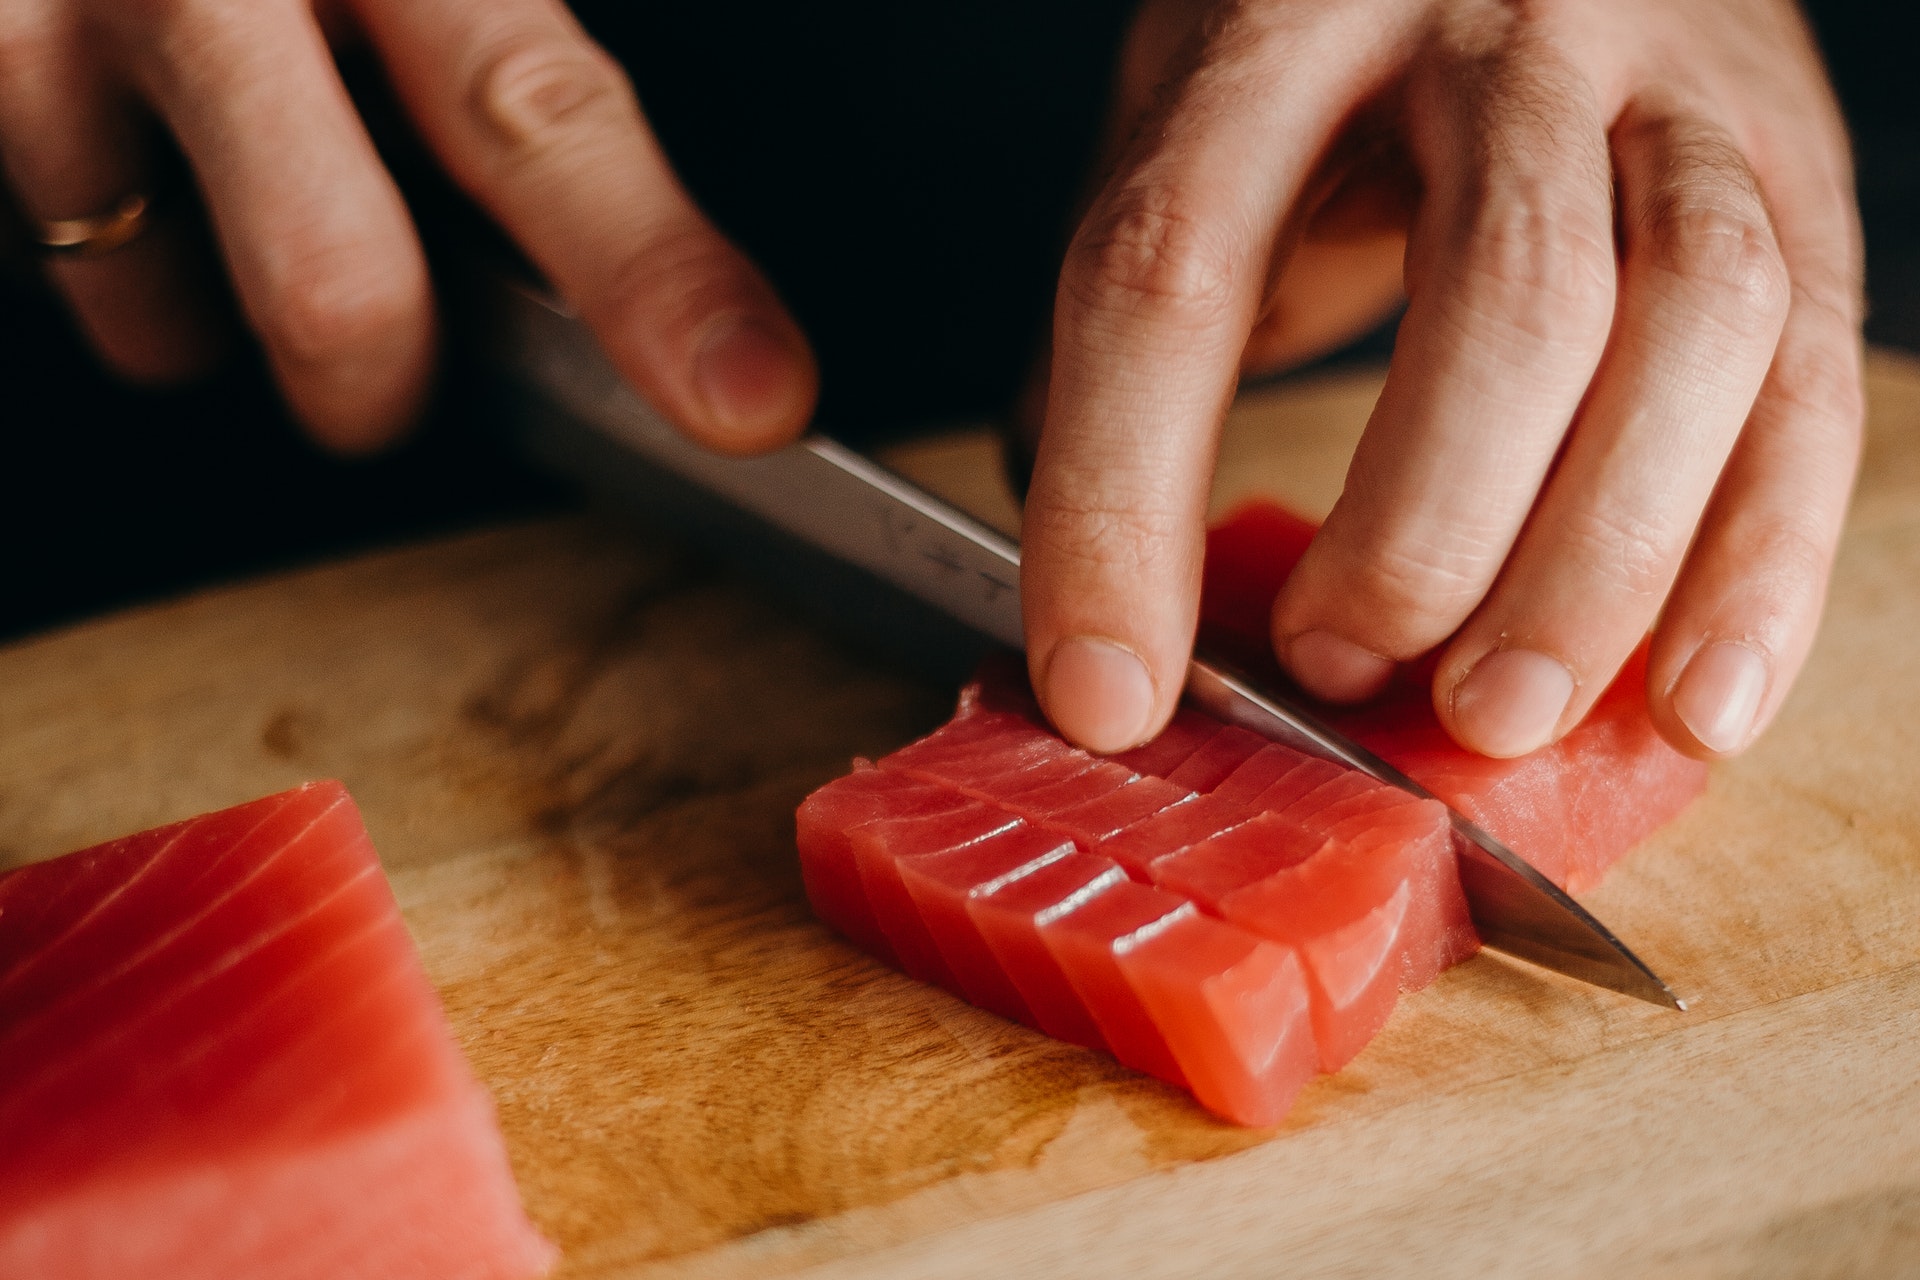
<point x="219" y="1057"/>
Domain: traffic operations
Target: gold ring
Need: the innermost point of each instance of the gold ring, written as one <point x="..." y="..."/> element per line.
<point x="102" y="233"/>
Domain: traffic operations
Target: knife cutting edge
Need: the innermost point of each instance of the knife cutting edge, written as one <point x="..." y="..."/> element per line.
<point x="842" y="503"/>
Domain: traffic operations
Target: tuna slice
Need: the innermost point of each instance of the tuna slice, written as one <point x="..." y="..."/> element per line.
<point x="1215" y="909"/>
<point x="219" y="1057"/>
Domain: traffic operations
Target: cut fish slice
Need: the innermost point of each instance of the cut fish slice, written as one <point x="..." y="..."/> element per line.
<point x="1234" y="1010"/>
<point x="877" y="849"/>
<point x="941" y="885"/>
<point x="1217" y="759"/>
<point x="1087" y="944"/>
<point x="825" y="823"/>
<point x="1010" y="917"/>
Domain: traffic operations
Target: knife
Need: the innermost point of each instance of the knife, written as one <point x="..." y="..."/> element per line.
<point x="837" y="501"/>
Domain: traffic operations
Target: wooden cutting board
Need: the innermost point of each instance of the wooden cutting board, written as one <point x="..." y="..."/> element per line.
<point x="579" y="754"/>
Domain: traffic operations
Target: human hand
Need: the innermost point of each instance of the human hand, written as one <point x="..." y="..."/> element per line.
<point x="1626" y="389"/>
<point x="524" y="111"/>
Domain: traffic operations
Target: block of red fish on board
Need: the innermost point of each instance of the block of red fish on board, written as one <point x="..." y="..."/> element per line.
<point x="1028" y="924"/>
<point x="219" y="1057"/>
<point x="1040" y="885"/>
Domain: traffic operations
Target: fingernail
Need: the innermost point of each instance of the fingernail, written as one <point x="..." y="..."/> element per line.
<point x="1099" y="694"/>
<point x="1336" y="669"/>
<point x="1511" y="702"/>
<point x="1718" y="696"/>
<point x="748" y="374"/>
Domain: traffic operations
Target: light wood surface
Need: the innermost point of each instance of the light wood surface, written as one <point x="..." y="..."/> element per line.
<point x="579" y="755"/>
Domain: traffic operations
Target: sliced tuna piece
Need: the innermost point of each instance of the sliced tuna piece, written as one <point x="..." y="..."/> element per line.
<point x="878" y="847"/>
<point x="1217" y="758"/>
<point x="825" y="824"/>
<point x="941" y="884"/>
<point x="1010" y="917"/>
<point x="1188" y="731"/>
<point x="1087" y="944"/>
<point x="1171" y="830"/>
<point x="1233" y="1008"/>
<point x="1106" y="816"/>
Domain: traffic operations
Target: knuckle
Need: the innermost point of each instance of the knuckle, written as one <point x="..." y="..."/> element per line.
<point x="1829" y="282"/>
<point x="1703" y="218"/>
<point x="158" y="15"/>
<point x="1151" y="255"/>
<point x="327" y="311"/>
<point x="1728" y="252"/>
<point x="1422" y="591"/>
<point x="178" y="37"/>
<point x="1623" y="548"/>
<point x="1783" y="563"/>
<point x="533" y="90"/>
<point x="1408" y="595"/>
<point x="1542" y="266"/>
<point x="1111" y="534"/>
<point x="679" y="271"/>
<point x="27" y="47"/>
<point x="1823" y="383"/>
<point x="1785" y="551"/>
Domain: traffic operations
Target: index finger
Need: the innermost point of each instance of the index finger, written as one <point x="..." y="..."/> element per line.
<point x="1160" y="289"/>
<point x="540" y="125"/>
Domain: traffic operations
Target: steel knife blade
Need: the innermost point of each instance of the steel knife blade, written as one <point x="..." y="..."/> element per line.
<point x="840" y="502"/>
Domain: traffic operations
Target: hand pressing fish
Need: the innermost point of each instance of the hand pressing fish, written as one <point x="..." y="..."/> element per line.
<point x="1217" y="910"/>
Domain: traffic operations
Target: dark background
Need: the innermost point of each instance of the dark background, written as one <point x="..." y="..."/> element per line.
<point x="904" y="172"/>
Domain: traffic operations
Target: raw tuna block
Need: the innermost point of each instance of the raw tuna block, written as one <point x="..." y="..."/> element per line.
<point x="1249" y="555"/>
<point x="1573" y="809"/>
<point x="219" y="1057"/>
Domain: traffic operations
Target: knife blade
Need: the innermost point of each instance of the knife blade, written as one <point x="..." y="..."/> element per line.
<point x="838" y="501"/>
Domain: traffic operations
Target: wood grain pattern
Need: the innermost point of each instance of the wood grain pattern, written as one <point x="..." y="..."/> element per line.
<point x="579" y="753"/>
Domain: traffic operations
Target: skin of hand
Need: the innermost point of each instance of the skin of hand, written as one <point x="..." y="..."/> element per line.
<point x="535" y="121"/>
<point x="1625" y="394"/>
<point x="1627" y="386"/>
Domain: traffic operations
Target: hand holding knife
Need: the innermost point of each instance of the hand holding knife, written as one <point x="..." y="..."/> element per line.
<point x="835" y="500"/>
